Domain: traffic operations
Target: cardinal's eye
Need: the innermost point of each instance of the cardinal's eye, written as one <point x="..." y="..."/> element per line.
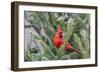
<point x="61" y="33"/>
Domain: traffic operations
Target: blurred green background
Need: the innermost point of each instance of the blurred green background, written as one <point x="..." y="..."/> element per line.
<point x="40" y="28"/>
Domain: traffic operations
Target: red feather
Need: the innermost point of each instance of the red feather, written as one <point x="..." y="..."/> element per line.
<point x="68" y="47"/>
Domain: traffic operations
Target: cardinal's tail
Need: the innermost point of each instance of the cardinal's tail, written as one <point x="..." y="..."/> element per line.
<point x="76" y="51"/>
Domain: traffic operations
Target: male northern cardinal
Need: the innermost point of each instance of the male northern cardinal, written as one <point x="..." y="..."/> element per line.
<point x="58" y="40"/>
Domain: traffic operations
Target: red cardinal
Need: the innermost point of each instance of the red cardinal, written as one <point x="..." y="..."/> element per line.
<point x="68" y="47"/>
<point x="58" y="38"/>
